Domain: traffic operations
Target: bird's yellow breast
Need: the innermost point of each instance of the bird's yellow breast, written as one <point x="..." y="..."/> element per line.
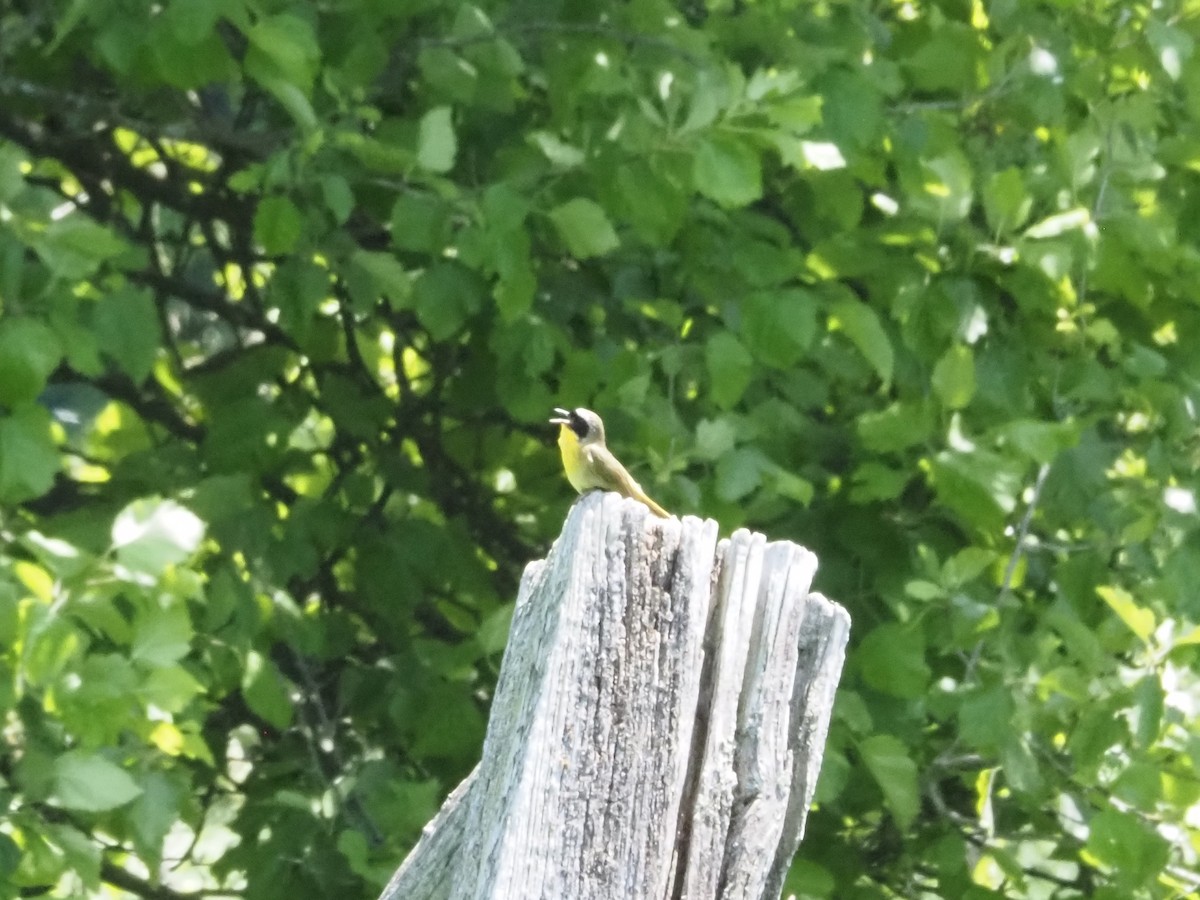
<point x="573" y="459"/>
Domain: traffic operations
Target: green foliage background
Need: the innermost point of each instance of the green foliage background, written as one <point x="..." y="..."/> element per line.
<point x="288" y="290"/>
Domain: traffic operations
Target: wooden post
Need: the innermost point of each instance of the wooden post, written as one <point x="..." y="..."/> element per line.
<point x="658" y="724"/>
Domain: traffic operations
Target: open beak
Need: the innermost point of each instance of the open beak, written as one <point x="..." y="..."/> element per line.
<point x="563" y="417"/>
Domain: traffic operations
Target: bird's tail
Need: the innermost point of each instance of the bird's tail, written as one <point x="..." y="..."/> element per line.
<point x="654" y="507"/>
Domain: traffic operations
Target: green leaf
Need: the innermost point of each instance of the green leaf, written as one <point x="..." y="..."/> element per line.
<point x="807" y="878"/>
<point x="192" y="21"/>
<point x="50" y="645"/>
<point x="10" y="857"/>
<point x="853" y="106"/>
<point x="277" y="225"/>
<point x="448" y="723"/>
<point x="981" y="487"/>
<point x="444" y="296"/>
<point x="896" y="427"/>
<point x="28" y="456"/>
<point x="299" y="287"/>
<point x="947" y="187"/>
<point x="711" y="93"/>
<point x="765" y="84"/>
<point x="985" y="719"/>
<point x="492" y="635"/>
<point x="193" y="63"/>
<point x="265" y="691"/>
<point x="170" y="688"/>
<point x="151" y="534"/>
<point x="12" y="181"/>
<point x="892" y="660"/>
<point x="728" y="171"/>
<point x="420" y="222"/>
<point x="947" y="60"/>
<point x="954" y="377"/>
<point x="779" y="326"/>
<point x="1173" y="45"/>
<point x="127" y="329"/>
<point x="714" y="438"/>
<point x="795" y="114"/>
<point x="791" y="486"/>
<point x="88" y="782"/>
<point x="559" y="152"/>
<point x="584" y="228"/>
<point x="504" y="207"/>
<point x="1137" y="619"/>
<point x="653" y="199"/>
<point x="156" y="809"/>
<point x="283" y="46"/>
<point x="966" y="566"/>
<point x="739" y="473"/>
<point x="295" y="101"/>
<point x="1120" y="842"/>
<point x="162" y="633"/>
<point x="1041" y="441"/>
<point x="387" y="276"/>
<point x="1006" y="202"/>
<point x="29" y="352"/>
<point x="339" y="197"/>
<point x="861" y="324"/>
<point x="353" y="846"/>
<point x="436" y="144"/>
<point x="922" y="590"/>
<point x="1148" y="706"/>
<point x="874" y="481"/>
<point x="74" y="246"/>
<point x="730" y="367"/>
<point x="514" y="292"/>
<point x="887" y="759"/>
<point x="448" y="73"/>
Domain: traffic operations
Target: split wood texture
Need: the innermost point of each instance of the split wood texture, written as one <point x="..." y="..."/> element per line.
<point x="658" y="724"/>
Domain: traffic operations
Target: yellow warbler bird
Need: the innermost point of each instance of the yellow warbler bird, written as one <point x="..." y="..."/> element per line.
<point x="589" y="463"/>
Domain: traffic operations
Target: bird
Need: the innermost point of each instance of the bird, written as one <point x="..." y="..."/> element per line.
<point x="589" y="463"/>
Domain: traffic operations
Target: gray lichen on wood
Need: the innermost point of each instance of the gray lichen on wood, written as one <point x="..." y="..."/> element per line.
<point x="658" y="724"/>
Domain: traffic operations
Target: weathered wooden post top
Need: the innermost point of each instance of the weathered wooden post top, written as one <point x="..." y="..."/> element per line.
<point x="658" y="723"/>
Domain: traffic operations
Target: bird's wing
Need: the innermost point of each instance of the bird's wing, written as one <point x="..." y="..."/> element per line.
<point x="610" y="475"/>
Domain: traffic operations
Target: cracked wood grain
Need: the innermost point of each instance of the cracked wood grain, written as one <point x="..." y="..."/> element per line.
<point x="658" y="723"/>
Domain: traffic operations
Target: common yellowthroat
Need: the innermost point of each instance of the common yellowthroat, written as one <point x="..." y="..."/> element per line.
<point x="589" y="463"/>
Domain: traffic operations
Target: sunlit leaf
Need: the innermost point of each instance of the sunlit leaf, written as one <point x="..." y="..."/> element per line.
<point x="436" y="143"/>
<point x="1137" y="618"/>
<point x="151" y="534"/>
<point x="1057" y="224"/>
